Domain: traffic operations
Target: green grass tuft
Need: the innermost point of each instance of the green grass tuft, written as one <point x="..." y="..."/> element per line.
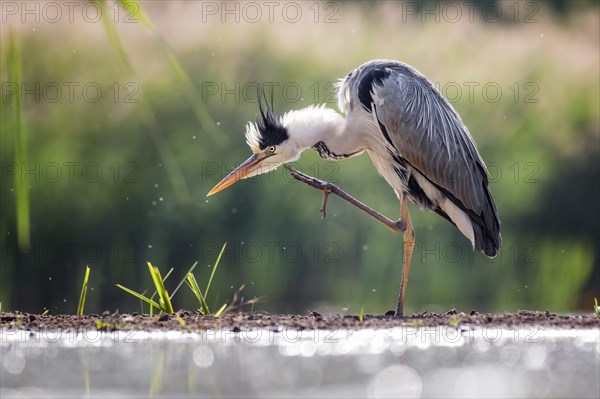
<point x="164" y="300"/>
<point x="193" y="284"/>
<point x="596" y="307"/>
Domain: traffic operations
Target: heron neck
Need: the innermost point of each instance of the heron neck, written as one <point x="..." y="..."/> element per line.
<point x="312" y="125"/>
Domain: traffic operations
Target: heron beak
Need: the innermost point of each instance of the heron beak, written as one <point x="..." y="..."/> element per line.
<point x="241" y="172"/>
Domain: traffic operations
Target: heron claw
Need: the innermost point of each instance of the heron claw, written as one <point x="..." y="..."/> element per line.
<point x="326" y="193"/>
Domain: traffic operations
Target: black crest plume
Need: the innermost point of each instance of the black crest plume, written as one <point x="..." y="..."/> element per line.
<point x="269" y="126"/>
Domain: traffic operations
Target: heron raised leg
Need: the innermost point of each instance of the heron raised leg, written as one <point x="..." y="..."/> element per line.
<point x="409" y="246"/>
<point x="404" y="224"/>
<point x="330" y="188"/>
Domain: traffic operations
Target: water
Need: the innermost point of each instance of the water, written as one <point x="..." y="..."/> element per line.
<point x="400" y="362"/>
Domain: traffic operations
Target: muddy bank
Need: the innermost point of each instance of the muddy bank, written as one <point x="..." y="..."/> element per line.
<point x="193" y="321"/>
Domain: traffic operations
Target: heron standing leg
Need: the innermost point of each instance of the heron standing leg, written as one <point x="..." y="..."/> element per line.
<point x="409" y="246"/>
<point x="404" y="224"/>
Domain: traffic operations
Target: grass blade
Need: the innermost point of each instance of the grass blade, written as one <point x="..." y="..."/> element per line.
<point x="164" y="279"/>
<point x="163" y="295"/>
<point x="140" y="296"/>
<point x="20" y="147"/>
<point x="191" y="269"/>
<point x="155" y="278"/>
<point x="132" y="7"/>
<point x="150" y="268"/>
<point x="115" y="41"/>
<point x="190" y="92"/>
<point x="83" y="291"/>
<point x="148" y="116"/>
<point x="191" y="281"/>
<point x="218" y="313"/>
<point x="214" y="270"/>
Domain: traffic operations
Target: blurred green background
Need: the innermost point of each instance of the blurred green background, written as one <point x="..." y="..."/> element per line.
<point x="118" y="117"/>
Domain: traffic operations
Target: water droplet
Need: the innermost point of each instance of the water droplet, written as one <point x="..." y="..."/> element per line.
<point x="384" y="384"/>
<point x="150" y="246"/>
<point x="153" y="203"/>
<point x="194" y="137"/>
<point x="365" y="247"/>
<point x="234" y="210"/>
<point x="50" y="278"/>
<point x="156" y="185"/>
<point x="65" y="300"/>
<point x="374" y="290"/>
<point x="14" y="362"/>
<point x="535" y="357"/>
<point x="218" y="123"/>
<point x="74" y="51"/>
<point x="160" y="198"/>
<point x="203" y="356"/>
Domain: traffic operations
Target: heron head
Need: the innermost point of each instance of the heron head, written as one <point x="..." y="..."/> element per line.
<point x="270" y="142"/>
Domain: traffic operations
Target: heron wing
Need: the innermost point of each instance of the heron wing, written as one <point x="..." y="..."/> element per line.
<point x="429" y="134"/>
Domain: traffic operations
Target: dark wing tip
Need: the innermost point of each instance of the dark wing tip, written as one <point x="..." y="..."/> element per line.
<point x="487" y="228"/>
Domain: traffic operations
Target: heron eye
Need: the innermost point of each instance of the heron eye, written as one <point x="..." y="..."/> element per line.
<point x="271" y="149"/>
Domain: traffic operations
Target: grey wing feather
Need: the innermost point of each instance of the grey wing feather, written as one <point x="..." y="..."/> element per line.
<point x="430" y="135"/>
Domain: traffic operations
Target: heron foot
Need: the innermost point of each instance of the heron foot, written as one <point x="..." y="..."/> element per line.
<point x="396" y="315"/>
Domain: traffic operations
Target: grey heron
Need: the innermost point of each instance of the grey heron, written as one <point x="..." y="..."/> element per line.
<point x="414" y="137"/>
